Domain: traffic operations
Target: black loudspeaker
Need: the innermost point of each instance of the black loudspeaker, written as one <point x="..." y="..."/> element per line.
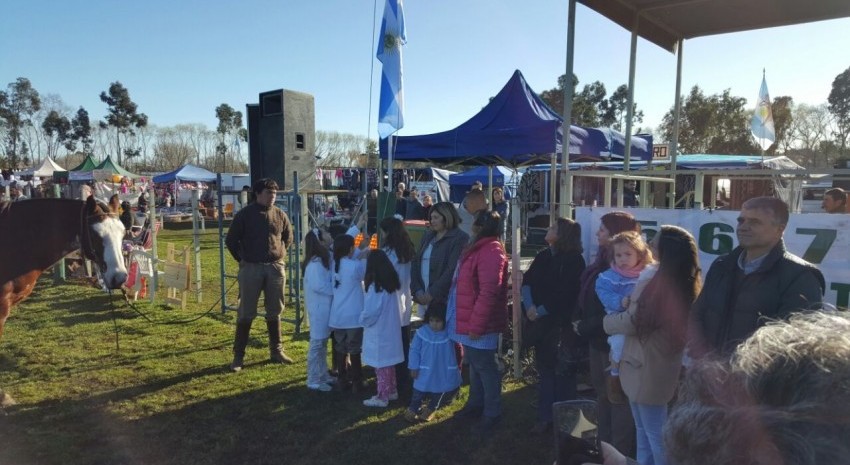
<point x="282" y="138"/>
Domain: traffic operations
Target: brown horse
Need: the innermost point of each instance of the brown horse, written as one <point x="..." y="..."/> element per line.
<point x="35" y="234"/>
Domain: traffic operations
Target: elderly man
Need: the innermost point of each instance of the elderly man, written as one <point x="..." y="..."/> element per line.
<point x="783" y="398"/>
<point x="757" y="281"/>
<point x="474" y="201"/>
<point x="835" y="201"/>
<point x="258" y="239"/>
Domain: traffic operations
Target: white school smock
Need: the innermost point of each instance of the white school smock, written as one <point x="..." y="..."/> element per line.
<point x="381" y="335"/>
<point x="318" y="297"/>
<point x="403" y="270"/>
<point x="348" y="294"/>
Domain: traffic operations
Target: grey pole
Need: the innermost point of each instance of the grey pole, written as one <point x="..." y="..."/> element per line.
<point x="566" y="180"/>
<point x="677" y="109"/>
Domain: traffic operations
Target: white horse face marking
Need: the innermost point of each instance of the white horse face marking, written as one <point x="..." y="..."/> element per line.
<point x="111" y="233"/>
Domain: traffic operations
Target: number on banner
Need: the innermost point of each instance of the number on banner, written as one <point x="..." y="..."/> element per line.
<point x="820" y="245"/>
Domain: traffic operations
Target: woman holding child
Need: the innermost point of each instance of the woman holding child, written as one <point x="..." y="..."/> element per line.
<point x="654" y="326"/>
<point x="615" y="420"/>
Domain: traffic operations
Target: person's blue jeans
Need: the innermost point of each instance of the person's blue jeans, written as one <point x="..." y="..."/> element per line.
<point x="553" y="387"/>
<point x="649" y="423"/>
<point x="485" y="381"/>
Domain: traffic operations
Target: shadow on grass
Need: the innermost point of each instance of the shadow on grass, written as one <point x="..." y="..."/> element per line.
<point x="282" y="423"/>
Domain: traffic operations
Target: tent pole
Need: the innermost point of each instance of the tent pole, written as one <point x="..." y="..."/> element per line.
<point x="516" y="277"/>
<point x="567" y="180"/>
<point x="490" y="186"/>
<point x="677" y="109"/>
<point x="553" y="183"/>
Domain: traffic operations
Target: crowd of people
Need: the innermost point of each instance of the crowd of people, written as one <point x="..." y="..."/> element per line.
<point x="639" y="313"/>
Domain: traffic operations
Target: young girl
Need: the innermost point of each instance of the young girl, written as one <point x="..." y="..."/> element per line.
<point x="433" y="366"/>
<point x="396" y="243"/>
<point x="318" y="296"/>
<point x="631" y="255"/>
<point x="381" y="321"/>
<point x="345" y="312"/>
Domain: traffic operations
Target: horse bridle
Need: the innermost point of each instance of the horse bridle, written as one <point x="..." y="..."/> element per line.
<point x="86" y="245"/>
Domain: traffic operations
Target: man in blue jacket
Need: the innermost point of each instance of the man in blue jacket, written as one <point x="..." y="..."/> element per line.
<point x="756" y="282"/>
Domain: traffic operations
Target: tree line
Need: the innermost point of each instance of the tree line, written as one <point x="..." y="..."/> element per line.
<point x="812" y="135"/>
<point x="33" y="126"/>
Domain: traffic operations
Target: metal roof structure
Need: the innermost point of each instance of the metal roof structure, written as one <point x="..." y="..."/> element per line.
<point x="665" y="22"/>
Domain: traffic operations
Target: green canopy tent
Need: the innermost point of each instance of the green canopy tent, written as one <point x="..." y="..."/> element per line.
<point x="106" y="165"/>
<point x="86" y="166"/>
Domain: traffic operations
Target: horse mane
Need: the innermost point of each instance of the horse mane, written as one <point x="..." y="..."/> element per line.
<point x="25" y="226"/>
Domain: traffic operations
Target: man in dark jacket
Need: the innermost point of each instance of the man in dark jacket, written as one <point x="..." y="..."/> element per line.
<point x="757" y="281"/>
<point x="258" y="239"/>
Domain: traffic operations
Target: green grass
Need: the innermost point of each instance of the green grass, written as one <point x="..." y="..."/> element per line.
<point x="165" y="397"/>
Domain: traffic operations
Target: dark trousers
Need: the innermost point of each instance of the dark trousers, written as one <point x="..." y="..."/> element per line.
<point x="552" y="386"/>
<point x="402" y="374"/>
<point x="616" y="425"/>
<point x="435" y="400"/>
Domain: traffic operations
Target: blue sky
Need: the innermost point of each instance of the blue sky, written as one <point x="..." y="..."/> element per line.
<point x="181" y="58"/>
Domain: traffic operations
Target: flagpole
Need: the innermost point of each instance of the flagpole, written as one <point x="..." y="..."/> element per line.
<point x="390" y="157"/>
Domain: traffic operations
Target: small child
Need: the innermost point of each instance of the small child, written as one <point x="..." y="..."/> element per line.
<point x="345" y="313"/>
<point x="433" y="366"/>
<point x="381" y="320"/>
<point x="318" y="297"/>
<point x="615" y="285"/>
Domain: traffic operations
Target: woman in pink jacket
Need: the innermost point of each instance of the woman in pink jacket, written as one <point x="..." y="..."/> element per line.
<point x="477" y="314"/>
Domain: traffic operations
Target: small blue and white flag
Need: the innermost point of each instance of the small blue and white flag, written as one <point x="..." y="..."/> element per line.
<point x="393" y="36"/>
<point x="762" y="123"/>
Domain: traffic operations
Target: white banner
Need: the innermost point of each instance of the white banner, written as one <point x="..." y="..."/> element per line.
<point x="820" y="238"/>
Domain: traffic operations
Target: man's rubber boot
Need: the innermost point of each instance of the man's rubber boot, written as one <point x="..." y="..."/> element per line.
<point x="243" y="331"/>
<point x="276" y="354"/>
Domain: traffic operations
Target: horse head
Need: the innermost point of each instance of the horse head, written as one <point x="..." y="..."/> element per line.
<point x="101" y="239"/>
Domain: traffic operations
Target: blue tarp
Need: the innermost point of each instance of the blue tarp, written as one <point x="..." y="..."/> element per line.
<point x="503" y="177"/>
<point x="189" y="173"/>
<point x="515" y="127"/>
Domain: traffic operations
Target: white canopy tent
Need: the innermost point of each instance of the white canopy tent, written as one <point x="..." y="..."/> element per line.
<point x="45" y="169"/>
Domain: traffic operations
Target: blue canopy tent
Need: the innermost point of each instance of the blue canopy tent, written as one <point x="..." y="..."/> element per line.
<point x="503" y="177"/>
<point x="516" y="127"/>
<point x="190" y="173"/>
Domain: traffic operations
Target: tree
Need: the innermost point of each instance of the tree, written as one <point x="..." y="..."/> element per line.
<point x="230" y="133"/>
<point x="616" y="109"/>
<point x="81" y="127"/>
<point x="782" y="118"/>
<point x="57" y="130"/>
<point x="716" y="124"/>
<point x="123" y="115"/>
<point x="810" y="127"/>
<point x="17" y="105"/>
<point x="334" y="149"/>
<point x="172" y="149"/>
<point x="839" y="106"/>
<point x="591" y="106"/>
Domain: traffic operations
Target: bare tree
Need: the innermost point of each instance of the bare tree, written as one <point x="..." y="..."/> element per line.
<point x="338" y="149"/>
<point x="810" y="126"/>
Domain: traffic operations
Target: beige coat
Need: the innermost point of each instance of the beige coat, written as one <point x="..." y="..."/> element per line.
<point x="649" y="369"/>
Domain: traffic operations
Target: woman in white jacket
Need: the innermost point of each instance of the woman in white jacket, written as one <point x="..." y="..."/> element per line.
<point x="318" y="296"/>
<point x="381" y="322"/>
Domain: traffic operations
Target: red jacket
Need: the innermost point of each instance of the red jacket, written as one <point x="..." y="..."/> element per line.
<point x="482" y="288"/>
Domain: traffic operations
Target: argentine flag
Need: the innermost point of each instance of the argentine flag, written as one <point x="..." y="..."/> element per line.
<point x="392" y="37"/>
<point x="762" y="123"/>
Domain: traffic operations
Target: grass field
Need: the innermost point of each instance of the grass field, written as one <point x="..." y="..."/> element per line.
<point x="165" y="397"/>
